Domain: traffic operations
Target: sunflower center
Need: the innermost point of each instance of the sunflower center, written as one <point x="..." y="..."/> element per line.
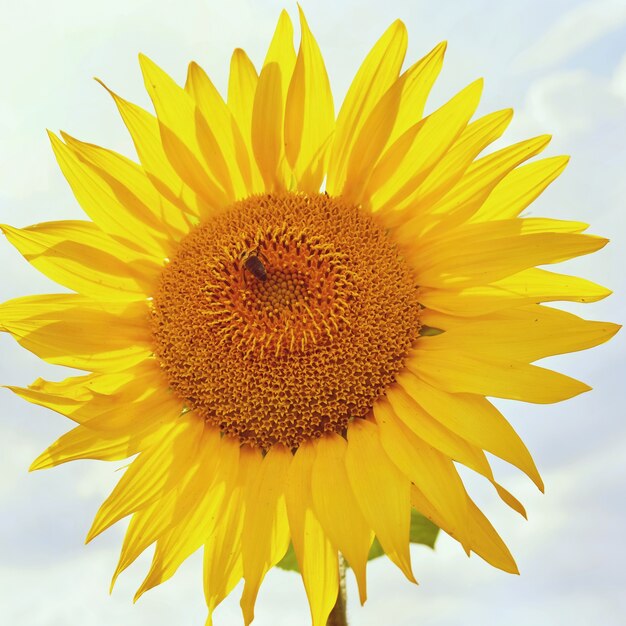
<point x="284" y="317"/>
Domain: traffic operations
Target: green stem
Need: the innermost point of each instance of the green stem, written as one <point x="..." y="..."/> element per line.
<point x="338" y="615"/>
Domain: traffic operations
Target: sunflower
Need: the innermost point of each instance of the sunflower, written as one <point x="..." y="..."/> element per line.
<point x="288" y="364"/>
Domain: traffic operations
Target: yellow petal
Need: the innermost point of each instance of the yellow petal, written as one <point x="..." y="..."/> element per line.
<point x="198" y="505"/>
<point x="418" y="82"/>
<point x="99" y="201"/>
<point x="153" y="473"/>
<point x="337" y="509"/>
<point x="80" y="388"/>
<point x="79" y="256"/>
<point x="71" y="330"/>
<point x="523" y="334"/>
<point x="476" y="420"/>
<point x="180" y="136"/>
<point x="144" y="131"/>
<point x="266" y="529"/>
<point x="528" y="286"/>
<point x="268" y="111"/>
<point x="165" y="221"/>
<point x="441" y="438"/>
<point x="242" y="84"/>
<point x="153" y="522"/>
<point x="431" y="472"/>
<point x="481" y="177"/>
<point x="486" y="542"/>
<point x="377" y="130"/>
<point x="316" y="556"/>
<point x="84" y="443"/>
<point x="458" y="372"/>
<point x="382" y="492"/>
<point x="61" y="403"/>
<point x="377" y="73"/>
<point x="434" y="433"/>
<point x="83" y="398"/>
<point x="485" y="252"/>
<point x="309" y="114"/>
<point x="222" y="126"/>
<point x="144" y="528"/>
<point x="519" y="188"/>
<point x="223" y="565"/>
<point x="447" y="171"/>
<point x="482" y="537"/>
<point x="407" y="163"/>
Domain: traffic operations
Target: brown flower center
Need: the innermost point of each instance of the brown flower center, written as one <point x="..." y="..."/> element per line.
<point x="284" y="317"/>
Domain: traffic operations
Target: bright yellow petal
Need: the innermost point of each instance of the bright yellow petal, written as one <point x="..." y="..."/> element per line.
<point x="482" y="537"/>
<point x="85" y="443"/>
<point x="474" y="419"/>
<point x="480" y="178"/>
<point x="71" y="330"/>
<point x="382" y="492"/>
<point x="401" y="170"/>
<point x="266" y="529"/>
<point x="523" y="334"/>
<point x="220" y="127"/>
<point x="485" y="252"/>
<point x="159" y="520"/>
<point x="529" y="286"/>
<point x="115" y="434"/>
<point x="242" y="83"/>
<point x="144" y="528"/>
<point x="447" y="171"/>
<point x="376" y="133"/>
<point x="459" y="372"/>
<point x="165" y="221"/>
<point x="223" y="564"/>
<point x="85" y="398"/>
<point x="434" y="433"/>
<point x="268" y="112"/>
<point x="196" y="514"/>
<point x="519" y="188"/>
<point x="418" y="82"/>
<point x="79" y="256"/>
<point x="316" y="556"/>
<point x="430" y="471"/>
<point x="377" y="73"/>
<point x="193" y="160"/>
<point x="337" y="509"/>
<point x="486" y="542"/>
<point x="144" y="131"/>
<point x="156" y="470"/>
<point x="153" y="473"/>
<point x="309" y="114"/>
<point x="98" y="199"/>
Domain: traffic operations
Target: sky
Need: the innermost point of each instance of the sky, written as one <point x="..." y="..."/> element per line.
<point x="561" y="64"/>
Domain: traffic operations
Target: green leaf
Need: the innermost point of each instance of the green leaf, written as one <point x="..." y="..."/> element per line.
<point x="289" y="562"/>
<point x="430" y="331"/>
<point x="422" y="531"/>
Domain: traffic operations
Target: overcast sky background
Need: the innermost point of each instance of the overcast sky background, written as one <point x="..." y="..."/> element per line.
<point x="561" y="65"/>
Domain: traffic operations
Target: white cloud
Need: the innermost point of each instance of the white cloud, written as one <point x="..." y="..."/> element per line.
<point x="618" y="83"/>
<point x="574" y="102"/>
<point x="48" y="578"/>
<point x="573" y="31"/>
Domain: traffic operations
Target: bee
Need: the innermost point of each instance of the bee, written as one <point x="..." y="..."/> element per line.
<point x="254" y="264"/>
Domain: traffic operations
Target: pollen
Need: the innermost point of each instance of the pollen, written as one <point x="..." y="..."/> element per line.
<point x="304" y="351"/>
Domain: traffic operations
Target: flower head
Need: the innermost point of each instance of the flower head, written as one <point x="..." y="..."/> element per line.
<point x="294" y="320"/>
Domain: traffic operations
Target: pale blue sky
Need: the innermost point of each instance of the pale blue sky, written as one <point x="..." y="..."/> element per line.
<point x="561" y="65"/>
